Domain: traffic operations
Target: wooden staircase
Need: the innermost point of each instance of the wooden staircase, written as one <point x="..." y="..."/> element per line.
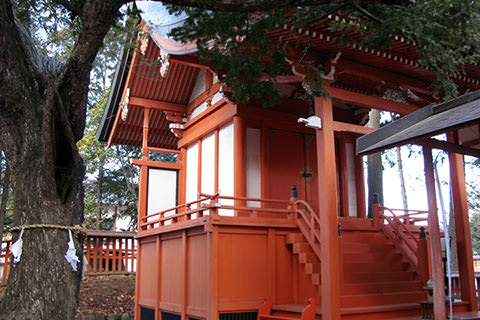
<point x="377" y="277"/>
<point x="378" y="282"/>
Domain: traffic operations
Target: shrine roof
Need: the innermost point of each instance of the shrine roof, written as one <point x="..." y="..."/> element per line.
<point x="462" y="114"/>
<point x="360" y="70"/>
<point x="159" y="22"/>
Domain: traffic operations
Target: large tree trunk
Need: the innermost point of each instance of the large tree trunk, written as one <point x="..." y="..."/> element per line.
<point x="42" y="116"/>
<point x="4" y="199"/>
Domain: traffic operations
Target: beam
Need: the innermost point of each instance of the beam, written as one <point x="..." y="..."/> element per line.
<point x="157" y="105"/>
<point x="212" y="90"/>
<point x="364" y="100"/>
<point x="188" y="60"/>
<point x="216" y="119"/>
<point x="348" y="127"/>
<point x="379" y="75"/>
<point x="454" y="148"/>
<point x="155" y="164"/>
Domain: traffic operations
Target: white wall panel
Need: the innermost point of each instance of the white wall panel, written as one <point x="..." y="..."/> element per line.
<point x="162" y="190"/>
<point x="225" y="165"/>
<point x="208" y="164"/>
<point x="352" y="192"/>
<point x="192" y="173"/>
<point x="253" y="168"/>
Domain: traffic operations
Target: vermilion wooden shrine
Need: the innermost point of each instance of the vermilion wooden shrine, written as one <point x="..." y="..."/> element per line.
<point x="220" y="229"/>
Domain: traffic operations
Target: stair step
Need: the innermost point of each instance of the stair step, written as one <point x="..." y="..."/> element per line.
<point x="373" y="257"/>
<point x="383" y="311"/>
<point x="374" y="267"/>
<point x="356" y="247"/>
<point x="312" y="267"/>
<point x="316" y="280"/>
<point x="307" y="257"/>
<point x="364" y="237"/>
<point x="301" y="247"/>
<point x="377" y="299"/>
<point x="291" y="238"/>
<point x="362" y="277"/>
<point x="382" y="287"/>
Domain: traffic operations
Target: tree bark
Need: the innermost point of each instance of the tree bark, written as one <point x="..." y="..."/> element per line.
<point x="403" y="188"/>
<point x="4" y="201"/>
<point x="374" y="167"/>
<point x="42" y="116"/>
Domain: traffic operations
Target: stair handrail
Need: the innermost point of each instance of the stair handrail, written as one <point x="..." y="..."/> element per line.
<point x="399" y="222"/>
<point x="401" y="236"/>
<point x="309" y="224"/>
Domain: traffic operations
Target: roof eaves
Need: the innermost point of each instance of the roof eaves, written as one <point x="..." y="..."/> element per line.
<point x="118" y="84"/>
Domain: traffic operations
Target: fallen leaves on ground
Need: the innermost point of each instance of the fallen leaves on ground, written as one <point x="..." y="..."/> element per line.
<point x="107" y="294"/>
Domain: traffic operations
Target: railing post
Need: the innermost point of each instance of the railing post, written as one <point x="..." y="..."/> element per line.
<point x="422" y="256"/>
<point x="292" y="207"/>
<point x="376" y="211"/>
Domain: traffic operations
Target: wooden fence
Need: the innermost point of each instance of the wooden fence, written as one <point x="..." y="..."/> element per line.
<point x="5" y="258"/>
<point x="110" y="252"/>
<point x="107" y="253"/>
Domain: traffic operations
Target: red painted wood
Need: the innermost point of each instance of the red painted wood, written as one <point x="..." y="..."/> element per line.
<point x="462" y="228"/>
<point x="328" y="211"/>
<point x="239" y="176"/>
<point x="436" y="249"/>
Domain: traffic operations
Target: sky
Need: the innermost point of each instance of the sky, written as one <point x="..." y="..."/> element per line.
<point x="415" y="179"/>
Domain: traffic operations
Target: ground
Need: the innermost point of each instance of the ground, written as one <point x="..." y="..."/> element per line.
<point x="105" y="295"/>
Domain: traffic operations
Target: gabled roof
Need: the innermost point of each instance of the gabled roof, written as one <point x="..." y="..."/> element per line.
<point x="359" y="73"/>
<point x="462" y="114"/>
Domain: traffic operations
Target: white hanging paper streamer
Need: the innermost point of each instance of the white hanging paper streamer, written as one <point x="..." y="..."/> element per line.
<point x="84" y="267"/>
<point x="71" y="255"/>
<point x="16" y="248"/>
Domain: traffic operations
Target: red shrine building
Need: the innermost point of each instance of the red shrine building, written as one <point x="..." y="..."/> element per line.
<point x="249" y="212"/>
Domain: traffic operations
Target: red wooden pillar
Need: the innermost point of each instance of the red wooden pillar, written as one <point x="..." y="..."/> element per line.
<point x="213" y="261"/>
<point x="439" y="309"/>
<point x="142" y="203"/>
<point x="182" y="159"/>
<point x="217" y="158"/>
<point x="142" y="188"/>
<point x="158" y="315"/>
<point x="422" y="256"/>
<point x="360" y="187"/>
<point x="239" y="186"/>
<point x="462" y="229"/>
<point x="330" y="256"/>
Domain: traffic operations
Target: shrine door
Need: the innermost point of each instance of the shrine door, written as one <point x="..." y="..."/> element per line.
<point x="292" y="160"/>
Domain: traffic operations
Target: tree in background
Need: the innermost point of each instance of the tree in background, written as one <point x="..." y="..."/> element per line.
<point x="110" y="179"/>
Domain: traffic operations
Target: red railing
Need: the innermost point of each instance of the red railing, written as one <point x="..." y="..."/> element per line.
<point x="456" y="289"/>
<point x="398" y="229"/>
<point x="309" y="224"/>
<point x="110" y="253"/>
<point x="214" y="205"/>
<point x="5" y="258"/>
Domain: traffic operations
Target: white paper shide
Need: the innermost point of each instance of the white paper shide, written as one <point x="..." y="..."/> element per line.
<point x="71" y="255"/>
